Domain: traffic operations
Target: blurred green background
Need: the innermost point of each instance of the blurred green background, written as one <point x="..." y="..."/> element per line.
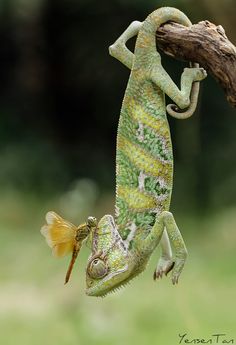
<point x="60" y="96"/>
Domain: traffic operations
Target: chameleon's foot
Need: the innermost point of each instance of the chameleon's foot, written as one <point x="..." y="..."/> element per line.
<point x="178" y="267"/>
<point x="164" y="266"/>
<point x="166" y="262"/>
<point x="197" y="73"/>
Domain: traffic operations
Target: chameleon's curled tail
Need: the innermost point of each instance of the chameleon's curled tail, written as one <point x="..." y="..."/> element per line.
<point x="147" y="40"/>
<point x="161" y="16"/>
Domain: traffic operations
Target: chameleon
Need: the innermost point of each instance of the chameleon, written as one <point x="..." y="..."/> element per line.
<point x="122" y="245"/>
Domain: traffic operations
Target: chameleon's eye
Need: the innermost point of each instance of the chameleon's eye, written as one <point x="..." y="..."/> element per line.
<point x="97" y="269"/>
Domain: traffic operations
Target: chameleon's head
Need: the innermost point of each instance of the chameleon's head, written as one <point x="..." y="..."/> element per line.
<point x="109" y="265"/>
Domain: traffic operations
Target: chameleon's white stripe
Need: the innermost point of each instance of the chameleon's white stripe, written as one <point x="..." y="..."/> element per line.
<point x="131" y="235"/>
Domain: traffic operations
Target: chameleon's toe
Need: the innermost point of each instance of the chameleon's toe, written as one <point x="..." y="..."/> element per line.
<point x="164" y="267"/>
<point x="179" y="265"/>
<point x="157" y="274"/>
<point x="204" y="72"/>
<point x="175" y="279"/>
<point x="200" y="74"/>
<point x="169" y="268"/>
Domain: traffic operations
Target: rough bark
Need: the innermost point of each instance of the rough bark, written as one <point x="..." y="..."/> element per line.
<point x="206" y="44"/>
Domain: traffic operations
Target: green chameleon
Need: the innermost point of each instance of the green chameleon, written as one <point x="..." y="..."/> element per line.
<point x="121" y="247"/>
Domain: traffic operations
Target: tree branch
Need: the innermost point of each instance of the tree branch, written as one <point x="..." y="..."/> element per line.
<point x="206" y="44"/>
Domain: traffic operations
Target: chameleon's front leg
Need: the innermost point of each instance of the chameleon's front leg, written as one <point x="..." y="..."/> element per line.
<point x="119" y="50"/>
<point x="165" y="263"/>
<point x="166" y="221"/>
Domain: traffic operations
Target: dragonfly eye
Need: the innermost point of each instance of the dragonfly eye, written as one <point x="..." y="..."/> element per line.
<point x="97" y="269"/>
<point x="92" y="221"/>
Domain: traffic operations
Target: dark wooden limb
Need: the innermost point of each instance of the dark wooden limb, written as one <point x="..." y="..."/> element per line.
<point x="206" y="44"/>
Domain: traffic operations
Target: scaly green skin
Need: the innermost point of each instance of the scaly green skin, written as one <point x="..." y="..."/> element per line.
<point x="144" y="170"/>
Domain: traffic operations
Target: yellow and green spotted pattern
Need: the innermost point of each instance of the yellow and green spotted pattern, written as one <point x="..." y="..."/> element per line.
<point x="135" y="199"/>
<point x="144" y="158"/>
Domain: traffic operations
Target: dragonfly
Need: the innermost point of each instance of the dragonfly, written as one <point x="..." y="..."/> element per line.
<point x="64" y="237"/>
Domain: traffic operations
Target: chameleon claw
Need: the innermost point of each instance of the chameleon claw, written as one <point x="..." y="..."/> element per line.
<point x="170" y="268"/>
<point x="175" y="280"/>
<point x="158" y="274"/>
<point x="164" y="267"/>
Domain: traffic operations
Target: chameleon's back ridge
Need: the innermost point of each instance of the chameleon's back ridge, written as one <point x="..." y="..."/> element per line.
<point x="121" y="246"/>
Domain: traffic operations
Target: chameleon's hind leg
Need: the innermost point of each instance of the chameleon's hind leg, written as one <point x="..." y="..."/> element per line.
<point x="166" y="220"/>
<point x="119" y="50"/>
<point x="180" y="96"/>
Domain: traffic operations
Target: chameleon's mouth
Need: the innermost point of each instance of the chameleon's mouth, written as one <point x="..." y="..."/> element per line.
<point x="111" y="283"/>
